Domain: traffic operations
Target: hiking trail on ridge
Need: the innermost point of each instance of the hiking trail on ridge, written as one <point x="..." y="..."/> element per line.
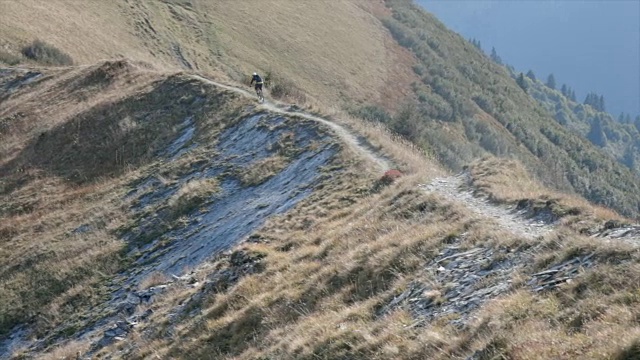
<point x="344" y="134"/>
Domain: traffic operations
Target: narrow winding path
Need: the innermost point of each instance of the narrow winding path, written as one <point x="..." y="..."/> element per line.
<point x="345" y="135"/>
<point x="455" y="188"/>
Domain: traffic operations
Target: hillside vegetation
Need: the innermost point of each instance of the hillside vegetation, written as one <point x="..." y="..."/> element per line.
<point x="148" y="211"/>
<point x="387" y="61"/>
<point x="620" y="139"/>
<point x="468" y="106"/>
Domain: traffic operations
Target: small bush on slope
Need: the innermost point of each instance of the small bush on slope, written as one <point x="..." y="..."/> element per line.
<point x="46" y="54"/>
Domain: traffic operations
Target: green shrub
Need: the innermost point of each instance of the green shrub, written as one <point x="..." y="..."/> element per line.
<point x="46" y="54"/>
<point x="372" y="113"/>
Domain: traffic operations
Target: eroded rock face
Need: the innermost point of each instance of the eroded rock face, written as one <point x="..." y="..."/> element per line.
<point x="615" y="230"/>
<point x="457" y="282"/>
<point x="461" y="281"/>
<point x="559" y="274"/>
<point x="236" y="210"/>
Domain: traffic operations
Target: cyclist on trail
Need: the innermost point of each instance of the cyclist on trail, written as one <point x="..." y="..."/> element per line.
<point x="258" y="81"/>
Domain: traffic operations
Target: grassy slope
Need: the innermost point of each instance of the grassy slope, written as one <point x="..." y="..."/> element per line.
<point x="328" y="266"/>
<point x="328" y="269"/>
<point x="333" y="50"/>
<point x="71" y="144"/>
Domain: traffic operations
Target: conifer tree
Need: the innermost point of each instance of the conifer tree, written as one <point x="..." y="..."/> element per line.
<point x="531" y="75"/>
<point x="551" y="82"/>
<point x="629" y="158"/>
<point x="596" y="134"/>
<point x="495" y="57"/>
<point x="522" y="82"/>
<point x="564" y="91"/>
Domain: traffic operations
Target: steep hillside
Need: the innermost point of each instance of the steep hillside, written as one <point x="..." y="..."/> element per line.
<point x="382" y="60"/>
<point x="333" y="50"/>
<point x="618" y="139"/>
<point x="468" y="106"/>
<point x="150" y="207"/>
<point x="117" y="176"/>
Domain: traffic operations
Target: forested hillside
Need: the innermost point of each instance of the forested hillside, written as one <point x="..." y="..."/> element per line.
<point x="465" y="106"/>
<point x="620" y="139"/>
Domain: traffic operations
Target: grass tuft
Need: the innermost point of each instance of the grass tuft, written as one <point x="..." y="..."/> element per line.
<point x="46" y="54"/>
<point x="192" y="194"/>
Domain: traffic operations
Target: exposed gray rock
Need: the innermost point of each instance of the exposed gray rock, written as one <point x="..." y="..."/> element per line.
<point x="559" y="274"/>
<point x="462" y="282"/>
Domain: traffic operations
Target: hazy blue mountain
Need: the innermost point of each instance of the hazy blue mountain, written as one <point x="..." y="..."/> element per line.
<point x="593" y="46"/>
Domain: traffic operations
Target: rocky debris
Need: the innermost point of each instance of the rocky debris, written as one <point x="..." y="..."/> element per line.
<point x="82" y="229"/>
<point x="14" y="340"/>
<point x="130" y="301"/>
<point x="616" y="230"/>
<point x="128" y="306"/>
<point x="116" y="332"/>
<point x="518" y="220"/>
<point x="557" y="275"/>
<point x="461" y="281"/>
<point x="235" y="265"/>
<point x="12" y="80"/>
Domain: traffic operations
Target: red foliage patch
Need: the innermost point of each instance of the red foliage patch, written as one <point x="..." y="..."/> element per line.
<point x="390" y="176"/>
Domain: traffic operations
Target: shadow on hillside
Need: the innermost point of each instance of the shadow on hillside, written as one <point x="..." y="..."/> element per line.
<point x="110" y="138"/>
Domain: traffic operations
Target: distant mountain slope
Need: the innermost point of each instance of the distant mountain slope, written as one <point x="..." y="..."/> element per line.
<point x="468" y="106"/>
<point x="384" y="60"/>
<point x="618" y="139"/>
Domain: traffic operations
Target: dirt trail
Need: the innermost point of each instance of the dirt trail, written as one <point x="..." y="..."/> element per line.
<point x="455" y="188"/>
<point x="345" y="135"/>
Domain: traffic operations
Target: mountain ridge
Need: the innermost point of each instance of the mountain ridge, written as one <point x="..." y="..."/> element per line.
<point x="147" y="213"/>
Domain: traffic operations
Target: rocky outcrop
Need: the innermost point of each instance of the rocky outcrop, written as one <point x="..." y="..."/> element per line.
<point x="460" y="281"/>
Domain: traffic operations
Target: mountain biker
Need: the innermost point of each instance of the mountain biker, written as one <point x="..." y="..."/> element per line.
<point x="258" y="81"/>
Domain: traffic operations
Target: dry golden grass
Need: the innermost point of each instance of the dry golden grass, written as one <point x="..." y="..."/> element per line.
<point x="262" y="170"/>
<point x="508" y="182"/>
<point x="324" y="276"/>
<point x="332" y="50"/>
<point x="71" y="350"/>
<point x="331" y="263"/>
<point x="192" y="194"/>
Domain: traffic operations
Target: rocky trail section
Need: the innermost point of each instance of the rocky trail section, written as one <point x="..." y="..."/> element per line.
<point x="514" y="220"/>
<point x="460" y="279"/>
